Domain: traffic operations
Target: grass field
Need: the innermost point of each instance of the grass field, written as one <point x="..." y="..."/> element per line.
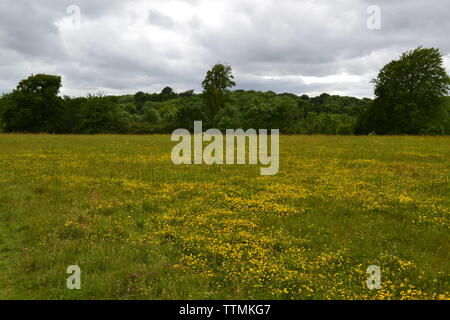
<point x="140" y="227"/>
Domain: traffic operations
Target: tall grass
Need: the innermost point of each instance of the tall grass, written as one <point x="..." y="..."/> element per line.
<point x="140" y="227"/>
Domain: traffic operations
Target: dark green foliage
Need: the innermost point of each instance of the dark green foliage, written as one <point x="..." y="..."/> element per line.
<point x="98" y="114"/>
<point x="187" y="114"/>
<point x="326" y="123"/>
<point x="34" y="106"/>
<point x="215" y="89"/>
<point x="71" y="115"/>
<point x="128" y="107"/>
<point x="139" y="99"/>
<point x="409" y="96"/>
<point x="4" y="104"/>
<point x="229" y="117"/>
<point x="151" y="115"/>
<point x="257" y="115"/>
<point x="167" y="93"/>
<point x="410" y="99"/>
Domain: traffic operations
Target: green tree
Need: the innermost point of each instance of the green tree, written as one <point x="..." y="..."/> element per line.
<point x="215" y="89"/>
<point x="285" y="114"/>
<point x="128" y="107"/>
<point x="99" y="115"/>
<point x="151" y="115"/>
<point x="3" y="105"/>
<point x="409" y="94"/>
<point x="229" y="118"/>
<point x="167" y="93"/>
<point x="187" y="113"/>
<point x="71" y="115"/>
<point x="139" y="100"/>
<point x="258" y="115"/>
<point x="34" y="106"/>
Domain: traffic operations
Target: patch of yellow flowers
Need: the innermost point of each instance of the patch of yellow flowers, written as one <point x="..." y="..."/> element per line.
<point x="261" y="237"/>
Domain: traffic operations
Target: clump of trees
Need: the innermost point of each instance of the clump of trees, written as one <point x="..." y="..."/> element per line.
<point x="34" y="105"/>
<point x="410" y="98"/>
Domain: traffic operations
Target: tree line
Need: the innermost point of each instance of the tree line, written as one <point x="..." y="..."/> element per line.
<point x="410" y="98"/>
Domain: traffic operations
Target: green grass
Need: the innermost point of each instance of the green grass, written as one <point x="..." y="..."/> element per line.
<point x="140" y="227"/>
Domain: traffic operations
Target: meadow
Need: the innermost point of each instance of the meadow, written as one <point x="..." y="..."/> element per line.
<point x="141" y="227"/>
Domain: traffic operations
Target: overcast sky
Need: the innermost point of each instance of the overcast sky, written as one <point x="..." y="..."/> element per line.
<point x="120" y="47"/>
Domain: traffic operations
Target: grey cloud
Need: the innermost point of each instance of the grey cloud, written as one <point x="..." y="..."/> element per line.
<point x="158" y="18"/>
<point x="27" y="29"/>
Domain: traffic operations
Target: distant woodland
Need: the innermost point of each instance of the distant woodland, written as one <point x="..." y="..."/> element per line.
<point x="411" y="97"/>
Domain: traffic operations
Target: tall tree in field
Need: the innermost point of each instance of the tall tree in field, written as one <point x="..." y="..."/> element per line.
<point x="409" y="94"/>
<point x="215" y="89"/>
<point x="34" y="106"/>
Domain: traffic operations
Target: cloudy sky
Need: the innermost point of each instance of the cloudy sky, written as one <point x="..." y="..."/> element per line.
<point x="298" y="46"/>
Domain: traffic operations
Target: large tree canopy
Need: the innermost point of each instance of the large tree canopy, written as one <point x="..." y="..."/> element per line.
<point x="409" y="94"/>
<point x="215" y="89"/>
<point x="34" y="106"/>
